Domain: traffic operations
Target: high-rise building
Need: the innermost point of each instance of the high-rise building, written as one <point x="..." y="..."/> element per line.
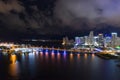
<point x="100" y="39"/>
<point x="77" y="40"/>
<point x="96" y="41"/>
<point x="65" y="40"/>
<point x="86" y="40"/>
<point x="91" y="38"/>
<point x="118" y="41"/>
<point x="114" y="40"/>
<point x="107" y="41"/>
<point x="82" y="40"/>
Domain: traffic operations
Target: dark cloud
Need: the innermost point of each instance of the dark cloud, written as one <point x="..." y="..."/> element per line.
<point x="95" y="11"/>
<point x="6" y="6"/>
<point x="59" y="17"/>
<point x="19" y="16"/>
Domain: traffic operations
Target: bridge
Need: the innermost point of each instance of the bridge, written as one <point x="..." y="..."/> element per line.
<point x="46" y="49"/>
<point x="12" y="48"/>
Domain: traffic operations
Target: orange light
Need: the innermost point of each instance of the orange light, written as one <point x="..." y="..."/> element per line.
<point x="58" y="56"/>
<point x="41" y="52"/>
<point x="93" y="55"/>
<point x="13" y="58"/>
<point x="53" y="55"/>
<point x="41" y="55"/>
<point x="13" y="69"/>
<point x="85" y="55"/>
<point x="47" y="56"/>
<point x="71" y="56"/>
<point x="78" y="56"/>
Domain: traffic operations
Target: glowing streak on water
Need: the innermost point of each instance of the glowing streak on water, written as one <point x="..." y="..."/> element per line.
<point x="58" y="56"/>
<point x="52" y="51"/>
<point x="64" y="51"/>
<point x="71" y="56"/>
<point x="53" y="55"/>
<point x="41" y="55"/>
<point x="13" y="67"/>
<point x="78" y="56"/>
<point x="13" y="70"/>
<point x="85" y="55"/>
<point x="93" y="56"/>
<point x="46" y="56"/>
<point x="41" y="52"/>
<point x="64" y="54"/>
<point x="13" y="58"/>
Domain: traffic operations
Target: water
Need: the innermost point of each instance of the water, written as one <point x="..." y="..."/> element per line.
<point x="57" y="66"/>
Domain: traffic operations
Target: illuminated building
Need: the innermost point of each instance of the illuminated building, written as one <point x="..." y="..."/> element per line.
<point x="107" y="41"/>
<point x="96" y="41"/>
<point x="82" y="40"/>
<point x="77" y="40"/>
<point x="101" y="40"/>
<point x="86" y="38"/>
<point x="118" y="41"/>
<point x="114" y="40"/>
<point x="65" y="40"/>
<point x="91" y="38"/>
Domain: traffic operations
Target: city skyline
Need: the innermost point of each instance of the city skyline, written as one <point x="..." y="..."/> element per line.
<point x="59" y="39"/>
<point x="99" y="40"/>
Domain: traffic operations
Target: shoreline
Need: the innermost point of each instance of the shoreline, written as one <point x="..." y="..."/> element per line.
<point x="107" y="56"/>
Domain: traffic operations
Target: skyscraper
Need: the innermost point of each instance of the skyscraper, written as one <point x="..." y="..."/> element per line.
<point x="91" y="38"/>
<point x="86" y="40"/>
<point x="100" y="39"/>
<point x="107" y="41"/>
<point x="96" y="41"/>
<point x="114" y="39"/>
<point x="77" y="40"/>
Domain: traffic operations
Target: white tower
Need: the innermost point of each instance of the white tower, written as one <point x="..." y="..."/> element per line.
<point x="91" y="38"/>
<point x="114" y="40"/>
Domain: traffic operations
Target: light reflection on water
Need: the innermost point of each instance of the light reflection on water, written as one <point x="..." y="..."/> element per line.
<point x="78" y="56"/>
<point x="41" y="55"/>
<point x="53" y="56"/>
<point x="71" y="56"/>
<point x="64" y="55"/>
<point x="85" y="56"/>
<point x="46" y="63"/>
<point x="58" y="56"/>
<point x="93" y="56"/>
<point x="13" y="66"/>
<point x="47" y="56"/>
<point x="13" y="58"/>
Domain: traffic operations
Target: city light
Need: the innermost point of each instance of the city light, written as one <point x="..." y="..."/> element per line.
<point x="78" y="56"/>
<point x="13" y="58"/>
<point x="71" y="56"/>
<point x="85" y="55"/>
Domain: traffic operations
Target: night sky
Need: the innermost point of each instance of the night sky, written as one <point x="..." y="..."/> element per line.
<point x="57" y="18"/>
